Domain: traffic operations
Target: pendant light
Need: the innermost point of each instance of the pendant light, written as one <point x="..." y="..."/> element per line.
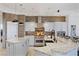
<point x="15" y="20"/>
<point x="21" y="5"/>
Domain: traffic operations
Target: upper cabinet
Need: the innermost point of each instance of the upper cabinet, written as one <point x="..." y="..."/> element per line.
<point x="31" y="19"/>
<point x="13" y="17"/>
<point x="21" y="20"/>
<point x="45" y="19"/>
<point x="9" y="16"/>
<point x="53" y="18"/>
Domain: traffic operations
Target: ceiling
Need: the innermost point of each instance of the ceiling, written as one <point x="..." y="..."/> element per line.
<point x="38" y="7"/>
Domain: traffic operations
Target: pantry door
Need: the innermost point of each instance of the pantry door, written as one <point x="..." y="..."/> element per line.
<point x="12" y="30"/>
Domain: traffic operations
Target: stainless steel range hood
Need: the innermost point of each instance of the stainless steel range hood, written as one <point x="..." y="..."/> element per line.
<point x="39" y="23"/>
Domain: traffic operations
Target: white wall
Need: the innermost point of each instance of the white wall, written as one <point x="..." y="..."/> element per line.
<point x="73" y="20"/>
<point x="0" y="20"/>
<point x="49" y="26"/>
<point x="60" y="26"/>
<point x="57" y="26"/>
<point x="30" y="26"/>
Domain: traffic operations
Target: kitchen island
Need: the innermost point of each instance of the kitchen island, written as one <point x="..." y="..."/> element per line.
<point x="64" y="47"/>
<point x="17" y="47"/>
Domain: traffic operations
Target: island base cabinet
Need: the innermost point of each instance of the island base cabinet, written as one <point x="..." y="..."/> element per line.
<point x="10" y="49"/>
<point x="20" y="49"/>
<point x="17" y="49"/>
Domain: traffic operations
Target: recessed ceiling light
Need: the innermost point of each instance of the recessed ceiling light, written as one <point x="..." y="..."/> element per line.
<point x="48" y="8"/>
<point x="20" y="4"/>
<point x="32" y="8"/>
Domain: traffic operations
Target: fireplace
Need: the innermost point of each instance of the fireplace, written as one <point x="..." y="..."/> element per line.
<point x="39" y="36"/>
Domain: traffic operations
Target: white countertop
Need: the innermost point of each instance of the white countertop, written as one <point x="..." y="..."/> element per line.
<point x="17" y="40"/>
<point x="62" y="46"/>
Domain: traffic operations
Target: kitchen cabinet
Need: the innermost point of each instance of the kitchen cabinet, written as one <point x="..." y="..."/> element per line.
<point x="17" y="47"/>
<point x="12" y="30"/>
<point x="21" y="19"/>
<point x="30" y="40"/>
